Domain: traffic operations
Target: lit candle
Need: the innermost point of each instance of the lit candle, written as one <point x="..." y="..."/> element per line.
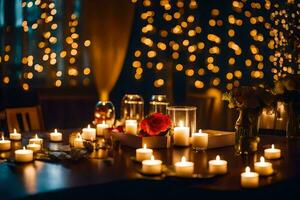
<point x="181" y="135"/>
<point x="102" y="129"/>
<point x="144" y="153"/>
<point x="5" y="145"/>
<point x="217" y="166"/>
<point x="184" y="168"/>
<point x="199" y="140"/>
<point x="36" y="140"/>
<point x="23" y="155"/>
<point x="15" y="136"/>
<point x="272" y="153"/>
<point x="152" y="166"/>
<point x="249" y="179"/>
<point x="263" y="168"/>
<point x="78" y="142"/>
<point x="131" y="127"/>
<point x="88" y="133"/>
<point x="34" y="147"/>
<point x="55" y="136"/>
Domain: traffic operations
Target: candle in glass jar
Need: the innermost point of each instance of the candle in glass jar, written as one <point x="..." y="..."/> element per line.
<point x="199" y="140"/>
<point x="263" y="168"/>
<point x="24" y="155"/>
<point x="5" y="145"/>
<point x="184" y="168"/>
<point x="217" y="166"/>
<point x="55" y="136"/>
<point x="15" y="136"/>
<point x="78" y="142"/>
<point x="272" y="153"/>
<point x="249" y="179"/>
<point x="102" y="129"/>
<point x="88" y="133"/>
<point x="34" y="147"/>
<point x="152" y="166"/>
<point x="131" y="127"/>
<point x="144" y="153"/>
<point x="181" y="135"/>
<point x="36" y="140"/>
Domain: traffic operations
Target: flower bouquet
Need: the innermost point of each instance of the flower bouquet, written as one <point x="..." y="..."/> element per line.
<point x="154" y="132"/>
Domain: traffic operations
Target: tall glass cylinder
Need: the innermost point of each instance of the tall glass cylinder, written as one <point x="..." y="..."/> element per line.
<point x="159" y="104"/>
<point x="183" y="116"/>
<point x="105" y="113"/>
<point x="132" y="108"/>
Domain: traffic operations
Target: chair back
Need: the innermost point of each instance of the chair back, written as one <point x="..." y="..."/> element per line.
<point x="24" y="119"/>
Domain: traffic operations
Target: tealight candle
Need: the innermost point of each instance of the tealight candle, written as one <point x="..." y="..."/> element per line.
<point x="102" y="129"/>
<point x="88" y="133"/>
<point x="5" y="145"/>
<point x="34" y="147"/>
<point x="144" y="153"/>
<point x="263" y="168"/>
<point x="131" y="127"/>
<point x="181" y="135"/>
<point x="184" y="168"/>
<point x="55" y="136"/>
<point x="272" y="153"/>
<point x="199" y="140"/>
<point x="249" y="179"/>
<point x="152" y="166"/>
<point x="15" y="136"/>
<point x="78" y="142"/>
<point x="24" y="155"/>
<point x="217" y="166"/>
<point x="36" y="140"/>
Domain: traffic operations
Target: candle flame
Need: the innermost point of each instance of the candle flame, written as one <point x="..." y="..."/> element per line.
<point x="24" y="148"/>
<point x="200" y="130"/>
<point x="2" y="137"/>
<point x="15" y="130"/>
<point x="273" y="146"/>
<point x="247" y="170"/>
<point x="181" y="124"/>
<point x="145" y="146"/>
<point x="89" y="126"/>
<point x="218" y="157"/>
<point x="55" y="130"/>
<point x="152" y="158"/>
<point x="103" y="122"/>
<point x="36" y="136"/>
<point x="262" y="159"/>
<point x="183" y="159"/>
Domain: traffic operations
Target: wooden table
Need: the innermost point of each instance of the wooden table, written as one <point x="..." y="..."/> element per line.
<point x="120" y="177"/>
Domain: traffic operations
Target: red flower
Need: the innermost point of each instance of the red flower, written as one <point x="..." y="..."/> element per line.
<point x="156" y="124"/>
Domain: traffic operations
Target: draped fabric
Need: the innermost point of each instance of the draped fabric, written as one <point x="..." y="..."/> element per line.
<point x="108" y="25"/>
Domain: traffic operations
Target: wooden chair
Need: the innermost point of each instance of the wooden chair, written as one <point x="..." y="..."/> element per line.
<point x="24" y="119"/>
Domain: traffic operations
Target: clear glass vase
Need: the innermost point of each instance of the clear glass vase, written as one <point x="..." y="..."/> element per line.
<point x="246" y="134"/>
<point x="105" y="113"/>
<point x="132" y="108"/>
<point x="158" y="104"/>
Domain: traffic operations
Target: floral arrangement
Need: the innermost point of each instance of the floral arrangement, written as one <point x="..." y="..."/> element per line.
<point x="287" y="89"/>
<point x="156" y="124"/>
<point x="246" y="97"/>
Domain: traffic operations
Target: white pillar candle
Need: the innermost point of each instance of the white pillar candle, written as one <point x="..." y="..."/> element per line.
<point x="263" y="168"/>
<point x="131" y="127"/>
<point x="5" y="145"/>
<point x="144" y="153"/>
<point x="181" y="135"/>
<point x="249" y="179"/>
<point x="55" y="136"/>
<point x="89" y="133"/>
<point x="102" y="129"/>
<point x="34" y="147"/>
<point x="15" y="136"/>
<point x="152" y="166"/>
<point x="272" y="153"/>
<point x="23" y="155"/>
<point x="199" y="140"/>
<point x="184" y="168"/>
<point x="36" y="140"/>
<point x="217" y="166"/>
<point x="78" y="142"/>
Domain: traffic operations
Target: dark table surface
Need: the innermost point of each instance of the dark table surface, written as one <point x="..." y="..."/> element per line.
<point x="114" y="170"/>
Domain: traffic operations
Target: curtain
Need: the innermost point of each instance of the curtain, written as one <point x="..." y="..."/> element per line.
<point x="108" y="25"/>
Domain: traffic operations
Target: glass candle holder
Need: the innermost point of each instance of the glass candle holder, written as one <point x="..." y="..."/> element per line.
<point x="105" y="113"/>
<point x="132" y="108"/>
<point x="183" y="117"/>
<point x="158" y="104"/>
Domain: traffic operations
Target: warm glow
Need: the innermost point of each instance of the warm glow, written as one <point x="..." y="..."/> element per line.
<point x="218" y="157"/>
<point x="183" y="159"/>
